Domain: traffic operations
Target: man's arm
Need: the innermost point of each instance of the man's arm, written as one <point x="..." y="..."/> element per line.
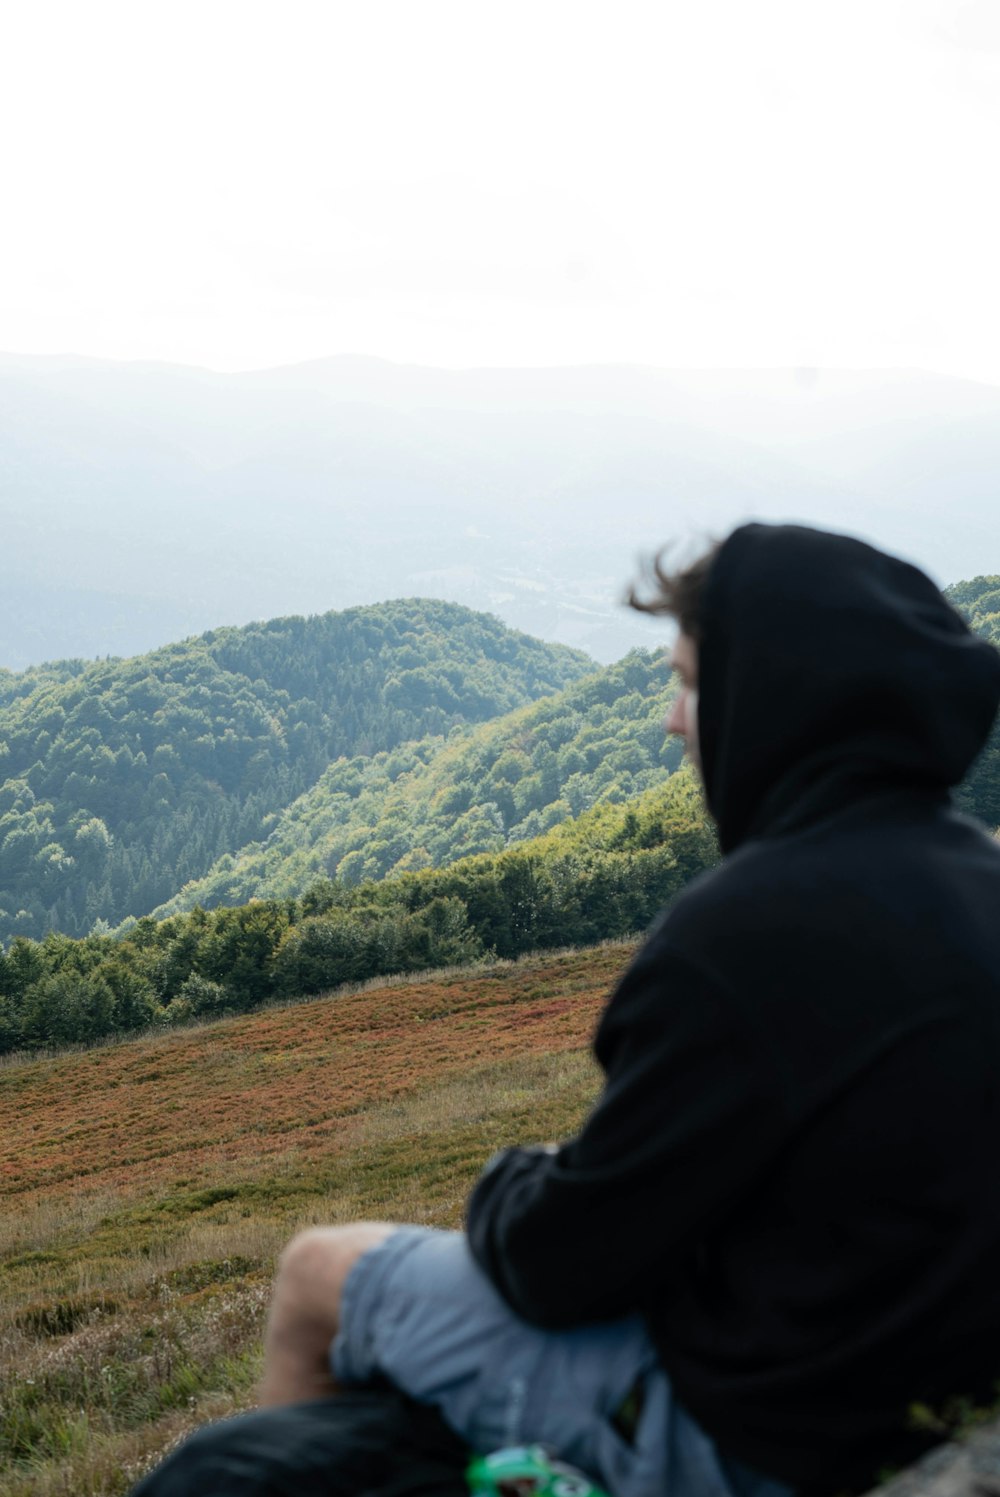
<point x="688" y="1119"/>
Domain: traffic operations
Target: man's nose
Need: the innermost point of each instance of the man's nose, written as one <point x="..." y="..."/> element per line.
<point x="674" y="720"/>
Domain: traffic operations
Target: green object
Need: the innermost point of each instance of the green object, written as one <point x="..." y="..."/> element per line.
<point x="527" y="1471"/>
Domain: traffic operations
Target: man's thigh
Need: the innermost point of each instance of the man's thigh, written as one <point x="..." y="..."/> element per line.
<point x="418" y="1311"/>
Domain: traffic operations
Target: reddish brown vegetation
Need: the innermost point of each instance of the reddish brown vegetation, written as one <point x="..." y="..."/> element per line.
<point x="179" y="1108"/>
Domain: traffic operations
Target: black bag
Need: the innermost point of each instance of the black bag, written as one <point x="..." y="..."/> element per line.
<point x="363" y="1443"/>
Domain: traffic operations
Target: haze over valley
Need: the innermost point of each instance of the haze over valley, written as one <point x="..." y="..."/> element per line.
<point x="145" y="502"/>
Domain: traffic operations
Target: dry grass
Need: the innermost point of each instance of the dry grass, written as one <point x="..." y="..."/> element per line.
<point x="147" y="1188"/>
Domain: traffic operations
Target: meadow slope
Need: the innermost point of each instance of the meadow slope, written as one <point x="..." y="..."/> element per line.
<point x="146" y="1186"/>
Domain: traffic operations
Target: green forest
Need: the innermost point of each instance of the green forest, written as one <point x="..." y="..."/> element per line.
<point x="420" y="839"/>
<point x="979" y="600"/>
<point x="120" y="781"/>
<point x="480" y="789"/>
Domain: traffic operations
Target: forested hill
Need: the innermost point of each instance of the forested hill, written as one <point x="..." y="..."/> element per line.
<point x="490" y="791"/>
<point x="483" y="789"/>
<point x="121" y="780"/>
<point x="979" y="601"/>
<point x="489" y="787"/>
<point x="248" y="762"/>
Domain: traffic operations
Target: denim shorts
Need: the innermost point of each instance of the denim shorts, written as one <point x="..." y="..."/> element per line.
<point x="417" y="1311"/>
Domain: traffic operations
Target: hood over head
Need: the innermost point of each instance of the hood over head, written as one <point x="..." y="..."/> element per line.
<point x="828" y="669"/>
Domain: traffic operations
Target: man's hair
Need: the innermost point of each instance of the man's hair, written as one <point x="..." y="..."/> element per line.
<point x="676" y="592"/>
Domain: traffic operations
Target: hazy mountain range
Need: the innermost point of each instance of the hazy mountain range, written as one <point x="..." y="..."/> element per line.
<point x="142" y="502"/>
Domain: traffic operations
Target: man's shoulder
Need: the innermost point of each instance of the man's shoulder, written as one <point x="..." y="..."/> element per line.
<point x="787" y="883"/>
<point x="756" y="874"/>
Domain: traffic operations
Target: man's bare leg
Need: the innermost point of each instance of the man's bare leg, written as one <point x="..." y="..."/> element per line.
<point x="305" y="1310"/>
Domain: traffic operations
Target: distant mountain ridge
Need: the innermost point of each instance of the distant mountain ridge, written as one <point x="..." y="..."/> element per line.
<point x="143" y="502"/>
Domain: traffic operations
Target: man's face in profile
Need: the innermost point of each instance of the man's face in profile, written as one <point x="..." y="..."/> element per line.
<point x="682" y="718"/>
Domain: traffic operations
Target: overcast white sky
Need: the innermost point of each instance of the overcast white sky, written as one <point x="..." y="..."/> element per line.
<point x="241" y="183"/>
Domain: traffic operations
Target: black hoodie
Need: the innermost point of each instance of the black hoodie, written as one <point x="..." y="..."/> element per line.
<point x="791" y="1171"/>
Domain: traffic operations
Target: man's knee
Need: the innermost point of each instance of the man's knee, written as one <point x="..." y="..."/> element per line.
<point x="305" y="1310"/>
<point x="314" y="1266"/>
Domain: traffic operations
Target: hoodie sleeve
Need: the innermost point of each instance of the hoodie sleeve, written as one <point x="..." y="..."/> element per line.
<point x="688" y="1118"/>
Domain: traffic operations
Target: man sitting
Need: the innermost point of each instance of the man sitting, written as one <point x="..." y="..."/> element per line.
<point x="777" y="1231"/>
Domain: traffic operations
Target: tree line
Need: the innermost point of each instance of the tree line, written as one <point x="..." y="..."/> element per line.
<point x="602" y="875"/>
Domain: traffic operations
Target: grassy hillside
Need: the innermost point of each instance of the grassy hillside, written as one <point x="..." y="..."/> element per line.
<point x="482" y="789"/>
<point x="122" y="780"/>
<point x="147" y="1186"/>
